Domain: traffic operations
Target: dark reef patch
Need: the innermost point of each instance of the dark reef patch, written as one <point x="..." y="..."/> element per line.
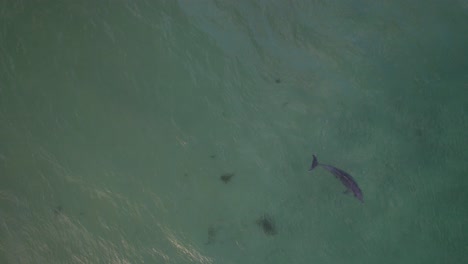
<point x="267" y="224"/>
<point x="212" y="232"/>
<point x="226" y="177"/>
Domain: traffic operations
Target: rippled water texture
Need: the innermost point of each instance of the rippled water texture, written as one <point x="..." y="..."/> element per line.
<point x="183" y="131"/>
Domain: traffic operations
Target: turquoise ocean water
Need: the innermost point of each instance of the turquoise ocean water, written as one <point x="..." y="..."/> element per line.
<point x="118" y="120"/>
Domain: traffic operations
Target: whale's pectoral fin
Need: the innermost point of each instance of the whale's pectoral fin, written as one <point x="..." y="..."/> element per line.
<point x="346" y="191"/>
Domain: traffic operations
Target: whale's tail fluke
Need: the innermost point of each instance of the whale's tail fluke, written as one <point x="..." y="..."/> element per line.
<point x="314" y="163"/>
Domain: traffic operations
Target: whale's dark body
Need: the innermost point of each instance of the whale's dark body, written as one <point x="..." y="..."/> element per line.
<point x="346" y="179"/>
